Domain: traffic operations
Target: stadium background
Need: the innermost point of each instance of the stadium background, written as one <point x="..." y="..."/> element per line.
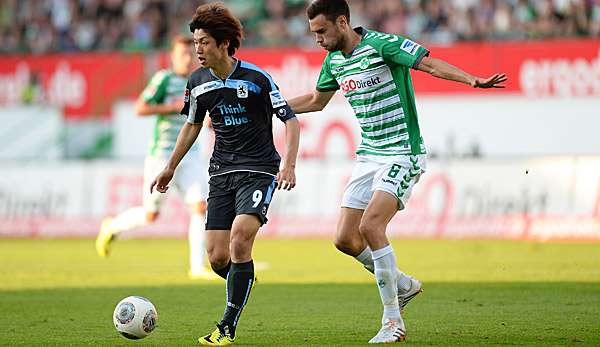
<point x="514" y="175"/>
<point x="521" y="162"/>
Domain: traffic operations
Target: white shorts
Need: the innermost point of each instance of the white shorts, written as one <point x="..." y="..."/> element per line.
<point x="396" y="175"/>
<point x="190" y="180"/>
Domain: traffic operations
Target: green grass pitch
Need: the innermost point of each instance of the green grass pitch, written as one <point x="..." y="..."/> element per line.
<point x="59" y="293"/>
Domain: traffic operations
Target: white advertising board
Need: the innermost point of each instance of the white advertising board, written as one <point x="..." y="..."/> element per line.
<point x="541" y="198"/>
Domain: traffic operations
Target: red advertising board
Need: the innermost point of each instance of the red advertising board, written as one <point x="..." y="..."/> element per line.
<point x="86" y="84"/>
<point x="544" y="68"/>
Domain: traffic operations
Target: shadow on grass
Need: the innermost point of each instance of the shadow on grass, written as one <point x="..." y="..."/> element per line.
<point x="312" y="315"/>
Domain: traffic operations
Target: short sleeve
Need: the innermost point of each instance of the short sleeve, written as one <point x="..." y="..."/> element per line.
<point x="275" y="101"/>
<point x="402" y="51"/>
<point x="326" y="81"/>
<point x="191" y="109"/>
<point x="280" y="107"/>
<point x="155" y="91"/>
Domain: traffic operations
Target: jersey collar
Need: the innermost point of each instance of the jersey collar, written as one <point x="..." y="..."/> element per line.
<point x="360" y="31"/>
<point x="235" y="66"/>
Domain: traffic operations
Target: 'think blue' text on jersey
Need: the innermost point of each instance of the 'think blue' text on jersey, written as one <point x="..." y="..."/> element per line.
<point x="241" y="109"/>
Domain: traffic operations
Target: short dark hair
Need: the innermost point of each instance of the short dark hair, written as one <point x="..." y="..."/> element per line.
<point x="180" y="39"/>
<point x="218" y="22"/>
<point x="331" y="9"/>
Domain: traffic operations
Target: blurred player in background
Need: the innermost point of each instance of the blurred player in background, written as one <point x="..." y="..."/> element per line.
<point x="373" y="71"/>
<point x="163" y="99"/>
<point x="241" y="100"/>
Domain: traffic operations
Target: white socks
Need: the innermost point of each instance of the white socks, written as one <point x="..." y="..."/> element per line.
<point x="385" y="275"/>
<point x="136" y="217"/>
<point x="366" y="259"/>
<point x="196" y="236"/>
<point x="129" y="219"/>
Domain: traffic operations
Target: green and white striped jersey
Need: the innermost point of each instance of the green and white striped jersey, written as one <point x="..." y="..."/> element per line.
<point x="165" y="87"/>
<point x="376" y="80"/>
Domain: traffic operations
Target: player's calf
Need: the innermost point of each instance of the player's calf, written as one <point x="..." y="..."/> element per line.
<point x="220" y="263"/>
<point x="348" y="246"/>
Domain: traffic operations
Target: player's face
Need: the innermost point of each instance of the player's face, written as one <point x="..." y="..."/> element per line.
<point x="208" y="52"/>
<point x="182" y="59"/>
<point x="328" y="34"/>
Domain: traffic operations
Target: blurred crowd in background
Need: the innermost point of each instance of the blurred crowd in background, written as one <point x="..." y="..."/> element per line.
<point x="40" y="26"/>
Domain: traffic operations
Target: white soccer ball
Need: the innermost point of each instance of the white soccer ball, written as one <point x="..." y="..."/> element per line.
<point x="135" y="317"/>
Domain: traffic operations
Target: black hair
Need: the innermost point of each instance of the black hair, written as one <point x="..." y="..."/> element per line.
<point x="331" y="9"/>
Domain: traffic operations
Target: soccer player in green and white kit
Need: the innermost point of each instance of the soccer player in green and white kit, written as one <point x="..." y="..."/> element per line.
<point x="372" y="69"/>
<point x="163" y="99"/>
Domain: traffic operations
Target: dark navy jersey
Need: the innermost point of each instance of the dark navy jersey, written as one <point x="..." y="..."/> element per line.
<point x="241" y="109"/>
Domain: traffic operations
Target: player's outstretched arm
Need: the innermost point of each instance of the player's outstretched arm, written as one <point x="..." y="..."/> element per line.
<point x="316" y="101"/>
<point x="286" y="178"/>
<point x="186" y="138"/>
<point x="442" y="69"/>
<point x="143" y="108"/>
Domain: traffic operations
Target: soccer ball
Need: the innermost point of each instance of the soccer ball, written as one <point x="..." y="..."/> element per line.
<point x="135" y="317"/>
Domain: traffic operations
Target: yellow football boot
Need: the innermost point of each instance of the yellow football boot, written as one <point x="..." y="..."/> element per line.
<point x="104" y="238"/>
<point x="219" y="337"/>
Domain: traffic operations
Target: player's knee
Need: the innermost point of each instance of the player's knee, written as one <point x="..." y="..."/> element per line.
<point x="218" y="259"/>
<point x="151" y="216"/>
<point x="367" y="228"/>
<point x="240" y="245"/>
<point x="346" y="245"/>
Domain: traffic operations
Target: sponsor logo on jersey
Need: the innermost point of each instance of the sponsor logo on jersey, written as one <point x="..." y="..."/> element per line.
<point x="410" y="47"/>
<point x="209" y="86"/>
<point x="186" y="95"/>
<point x="282" y="112"/>
<point x="388" y="181"/>
<point x="277" y="99"/>
<point x="351" y="85"/>
<point x="242" y="90"/>
<point x="231" y="109"/>
<point x="228" y="111"/>
<point x="232" y="120"/>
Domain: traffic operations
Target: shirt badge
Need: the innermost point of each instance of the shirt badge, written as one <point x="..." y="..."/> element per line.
<point x="242" y="90"/>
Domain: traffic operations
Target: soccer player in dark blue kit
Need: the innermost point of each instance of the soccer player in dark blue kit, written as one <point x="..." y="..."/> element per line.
<point x="244" y="170"/>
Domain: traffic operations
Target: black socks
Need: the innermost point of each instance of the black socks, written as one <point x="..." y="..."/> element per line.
<point x="224" y="271"/>
<point x="239" y="284"/>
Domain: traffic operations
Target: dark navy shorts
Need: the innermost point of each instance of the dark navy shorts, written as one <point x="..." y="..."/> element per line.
<point x="235" y="193"/>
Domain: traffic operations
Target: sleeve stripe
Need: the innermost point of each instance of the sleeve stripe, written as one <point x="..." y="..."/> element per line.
<point x="247" y="65"/>
<point x="319" y="89"/>
<point x="424" y="53"/>
<point x="193" y="107"/>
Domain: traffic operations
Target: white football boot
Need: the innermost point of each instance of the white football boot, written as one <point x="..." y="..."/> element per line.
<point x="391" y="331"/>
<point x="414" y="290"/>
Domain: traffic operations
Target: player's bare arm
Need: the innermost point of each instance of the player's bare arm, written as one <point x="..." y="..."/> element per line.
<point x="286" y="178"/>
<point x="313" y="102"/>
<point x="441" y="69"/>
<point x="185" y="140"/>
<point x="143" y="108"/>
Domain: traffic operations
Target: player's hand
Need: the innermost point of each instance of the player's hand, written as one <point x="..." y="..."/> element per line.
<point x="286" y="178"/>
<point x="162" y="180"/>
<point x="492" y="82"/>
